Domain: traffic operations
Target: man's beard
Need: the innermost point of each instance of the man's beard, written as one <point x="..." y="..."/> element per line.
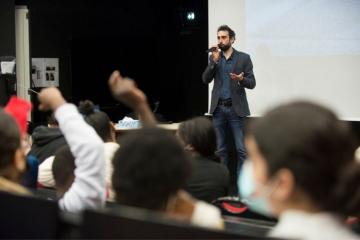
<point x="224" y="47"/>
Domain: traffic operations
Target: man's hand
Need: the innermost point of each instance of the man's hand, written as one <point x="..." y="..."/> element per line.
<point x="125" y="91"/>
<point x="216" y="53"/>
<point x="236" y="77"/>
<point x="50" y="99"/>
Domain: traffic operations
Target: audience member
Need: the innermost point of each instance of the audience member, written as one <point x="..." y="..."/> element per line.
<point x="100" y="121"/>
<point x="12" y="159"/>
<point x="302" y="169"/>
<point x="209" y="179"/>
<point x="88" y="188"/>
<point x="19" y="109"/>
<point x="46" y="140"/>
<point x="103" y="127"/>
<point x="151" y="167"/>
<point x="63" y="170"/>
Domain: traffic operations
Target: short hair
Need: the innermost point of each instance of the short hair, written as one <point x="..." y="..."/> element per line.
<point x="228" y="29"/>
<point x="52" y="120"/>
<point x="99" y="120"/>
<point x="63" y="167"/>
<point x="311" y="142"/>
<point x="200" y="134"/>
<point x="149" y="167"/>
<point x="9" y="139"/>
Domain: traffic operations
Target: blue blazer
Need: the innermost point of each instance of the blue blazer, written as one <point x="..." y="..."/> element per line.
<point x="238" y="95"/>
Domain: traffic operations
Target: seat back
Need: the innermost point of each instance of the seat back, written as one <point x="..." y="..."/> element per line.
<point x="27" y="217"/>
<point x="133" y="223"/>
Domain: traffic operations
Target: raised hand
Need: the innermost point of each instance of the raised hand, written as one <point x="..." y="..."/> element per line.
<point x="50" y="99"/>
<point x="125" y="91"/>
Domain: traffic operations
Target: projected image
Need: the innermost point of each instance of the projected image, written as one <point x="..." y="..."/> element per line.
<point x="304" y="28"/>
<point x="300" y="49"/>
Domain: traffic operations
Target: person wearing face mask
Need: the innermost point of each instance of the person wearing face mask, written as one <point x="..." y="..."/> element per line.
<point x="302" y="169"/>
<point x="232" y="72"/>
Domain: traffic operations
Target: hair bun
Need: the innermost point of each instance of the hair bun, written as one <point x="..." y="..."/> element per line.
<point x="86" y="107"/>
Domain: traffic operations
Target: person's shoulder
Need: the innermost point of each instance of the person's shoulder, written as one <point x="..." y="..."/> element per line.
<point x="214" y="163"/>
<point x="242" y="54"/>
<point x="203" y="161"/>
<point x="207" y="215"/>
<point x="13" y="187"/>
<point x="39" y="129"/>
<point x="111" y="145"/>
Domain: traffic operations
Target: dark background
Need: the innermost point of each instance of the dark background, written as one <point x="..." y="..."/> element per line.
<point x="149" y="41"/>
<point x="7" y="41"/>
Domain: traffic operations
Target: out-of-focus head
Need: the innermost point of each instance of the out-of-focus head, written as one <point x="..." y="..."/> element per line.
<point x="198" y="135"/>
<point x="302" y="156"/>
<point x="12" y="159"/>
<point x="63" y="169"/>
<point x="51" y="121"/>
<point x="99" y="120"/>
<point x="149" y="168"/>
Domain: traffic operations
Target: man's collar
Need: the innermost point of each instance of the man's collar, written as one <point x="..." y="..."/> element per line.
<point x="232" y="54"/>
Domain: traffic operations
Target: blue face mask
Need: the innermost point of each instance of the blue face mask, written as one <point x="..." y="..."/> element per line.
<point x="247" y="188"/>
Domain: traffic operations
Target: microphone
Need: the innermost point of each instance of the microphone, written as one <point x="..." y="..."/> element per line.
<point x="212" y="49"/>
<point x="29" y="90"/>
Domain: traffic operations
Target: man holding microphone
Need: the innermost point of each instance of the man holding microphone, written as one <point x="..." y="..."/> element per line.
<point x="232" y="72"/>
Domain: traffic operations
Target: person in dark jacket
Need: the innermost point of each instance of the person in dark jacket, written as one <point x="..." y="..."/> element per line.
<point x="46" y="140"/>
<point x="210" y="178"/>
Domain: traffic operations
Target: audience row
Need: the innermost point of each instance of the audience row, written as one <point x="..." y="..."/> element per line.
<point x="301" y="165"/>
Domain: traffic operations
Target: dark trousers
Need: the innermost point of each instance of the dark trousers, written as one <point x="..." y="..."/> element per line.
<point x="223" y="117"/>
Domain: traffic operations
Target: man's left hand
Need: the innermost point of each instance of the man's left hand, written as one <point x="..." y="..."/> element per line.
<point x="236" y="77"/>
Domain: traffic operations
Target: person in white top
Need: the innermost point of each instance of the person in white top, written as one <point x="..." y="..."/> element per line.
<point x="302" y="169"/>
<point x="103" y="126"/>
<point x="100" y="121"/>
<point x="88" y="188"/>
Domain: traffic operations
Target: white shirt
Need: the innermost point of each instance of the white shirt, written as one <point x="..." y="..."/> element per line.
<point x="88" y="189"/>
<point x="46" y="178"/>
<point x="110" y="149"/>
<point x="308" y="226"/>
<point x="45" y="175"/>
<point x="206" y="215"/>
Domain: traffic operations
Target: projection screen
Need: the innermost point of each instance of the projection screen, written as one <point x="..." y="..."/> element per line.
<point x="307" y="50"/>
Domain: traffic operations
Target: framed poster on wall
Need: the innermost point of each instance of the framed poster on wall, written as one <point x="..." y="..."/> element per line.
<point x="45" y="72"/>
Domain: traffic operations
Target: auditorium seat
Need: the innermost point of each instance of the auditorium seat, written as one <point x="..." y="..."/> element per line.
<point x="27" y="217"/>
<point x="126" y="222"/>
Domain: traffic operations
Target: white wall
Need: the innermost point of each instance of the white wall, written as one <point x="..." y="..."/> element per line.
<point x="300" y="50"/>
